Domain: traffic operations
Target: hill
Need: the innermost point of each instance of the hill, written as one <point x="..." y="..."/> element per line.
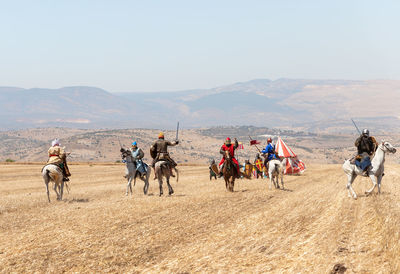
<point x="323" y="106"/>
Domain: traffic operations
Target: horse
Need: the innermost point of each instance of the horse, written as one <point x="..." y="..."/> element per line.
<point x="131" y="173"/>
<point x="53" y="173"/>
<point x="275" y="170"/>
<point x="162" y="168"/>
<point x="375" y="172"/>
<point x="229" y="171"/>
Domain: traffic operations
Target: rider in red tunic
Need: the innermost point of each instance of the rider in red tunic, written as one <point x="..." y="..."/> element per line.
<point x="231" y="148"/>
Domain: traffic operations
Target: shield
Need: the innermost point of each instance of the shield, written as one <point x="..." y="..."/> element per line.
<point x="214" y="168"/>
<point x="153" y="152"/>
<point x="259" y="164"/>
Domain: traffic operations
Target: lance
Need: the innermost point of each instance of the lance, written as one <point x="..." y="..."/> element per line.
<point x="119" y="142"/>
<point x="355" y="126"/>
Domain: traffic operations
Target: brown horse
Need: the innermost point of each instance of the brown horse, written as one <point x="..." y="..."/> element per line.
<point x="229" y="171"/>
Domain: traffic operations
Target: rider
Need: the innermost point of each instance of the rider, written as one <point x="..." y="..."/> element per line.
<point x="137" y="155"/>
<point x="227" y="146"/>
<point x="58" y="157"/>
<point x="159" y="151"/>
<point x="366" y="146"/>
<point x="270" y="151"/>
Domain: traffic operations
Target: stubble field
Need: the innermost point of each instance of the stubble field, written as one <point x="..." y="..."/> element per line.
<point x="310" y="227"/>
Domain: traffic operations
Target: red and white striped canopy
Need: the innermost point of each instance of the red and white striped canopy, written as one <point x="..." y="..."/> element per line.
<point x="283" y="150"/>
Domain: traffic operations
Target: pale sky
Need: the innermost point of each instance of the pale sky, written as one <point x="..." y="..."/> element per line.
<point x="175" y="45"/>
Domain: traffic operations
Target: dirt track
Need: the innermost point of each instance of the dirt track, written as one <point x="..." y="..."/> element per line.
<point x="310" y="227"/>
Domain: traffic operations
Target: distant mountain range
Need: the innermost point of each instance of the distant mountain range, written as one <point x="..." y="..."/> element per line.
<point x="308" y="105"/>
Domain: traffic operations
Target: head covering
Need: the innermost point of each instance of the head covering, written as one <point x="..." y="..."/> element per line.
<point x="161" y="135"/>
<point x="365" y="132"/>
<point x="228" y="141"/>
<point x="269" y="140"/>
<point x="134" y="143"/>
<point x="55" y="142"/>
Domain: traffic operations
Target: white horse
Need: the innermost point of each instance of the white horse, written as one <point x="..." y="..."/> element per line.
<point x="375" y="172"/>
<point x="131" y="173"/>
<point x="53" y="173"/>
<point x="161" y="168"/>
<point x="275" y="170"/>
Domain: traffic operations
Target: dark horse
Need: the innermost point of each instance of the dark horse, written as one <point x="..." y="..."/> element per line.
<point x="229" y="171"/>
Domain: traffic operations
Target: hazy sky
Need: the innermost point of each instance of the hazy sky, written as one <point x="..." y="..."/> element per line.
<point x="173" y="45"/>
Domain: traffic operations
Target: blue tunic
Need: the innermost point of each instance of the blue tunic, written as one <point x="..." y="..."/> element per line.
<point x="270" y="149"/>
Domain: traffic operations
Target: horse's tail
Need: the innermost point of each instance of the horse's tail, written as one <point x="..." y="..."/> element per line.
<point x="276" y="168"/>
<point x="45" y="172"/>
<point x="177" y="174"/>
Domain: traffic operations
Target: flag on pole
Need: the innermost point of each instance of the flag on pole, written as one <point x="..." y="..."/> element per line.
<point x="254" y="142"/>
<point x="240" y="145"/>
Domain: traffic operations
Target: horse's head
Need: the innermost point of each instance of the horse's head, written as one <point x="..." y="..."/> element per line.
<point x="125" y="153"/>
<point x="227" y="155"/>
<point x="387" y="147"/>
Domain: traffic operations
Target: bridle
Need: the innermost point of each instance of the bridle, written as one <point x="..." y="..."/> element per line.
<point x="391" y="150"/>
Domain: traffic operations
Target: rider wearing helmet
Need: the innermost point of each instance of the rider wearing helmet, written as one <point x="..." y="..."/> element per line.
<point x="269" y="151"/>
<point x="227" y="146"/>
<point x="366" y="146"/>
<point x="159" y="151"/>
<point x="137" y="155"/>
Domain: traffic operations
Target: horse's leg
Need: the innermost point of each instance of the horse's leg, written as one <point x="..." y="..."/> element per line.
<point x="46" y="178"/>
<point x="55" y="190"/>
<point x="379" y="183"/>
<point x="350" y="180"/>
<point x="62" y="189"/>
<point x="270" y="180"/>
<point x="128" y="186"/>
<point x="276" y="180"/>
<point x="160" y="182"/>
<point x="232" y="183"/>
<point x="46" y="182"/>
<point x="373" y="179"/>
<point x="170" y="190"/>
<point x="146" y="183"/>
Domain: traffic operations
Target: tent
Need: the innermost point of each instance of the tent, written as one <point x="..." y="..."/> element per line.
<point x="293" y="164"/>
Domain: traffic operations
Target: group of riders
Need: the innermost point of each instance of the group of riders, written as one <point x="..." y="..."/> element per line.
<point x="366" y="146"/>
<point x="269" y="154"/>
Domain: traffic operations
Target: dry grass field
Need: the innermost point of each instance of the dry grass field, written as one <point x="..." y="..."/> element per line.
<point x="309" y="228"/>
